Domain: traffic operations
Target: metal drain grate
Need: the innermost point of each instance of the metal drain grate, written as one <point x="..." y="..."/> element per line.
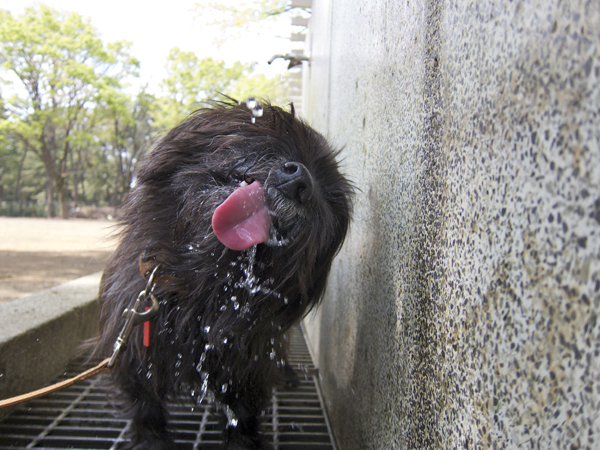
<point x="79" y="417"/>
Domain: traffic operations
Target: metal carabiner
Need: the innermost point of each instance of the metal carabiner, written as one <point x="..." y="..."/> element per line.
<point x="134" y="318"/>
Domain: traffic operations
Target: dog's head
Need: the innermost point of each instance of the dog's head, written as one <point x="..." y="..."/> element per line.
<point x="223" y="182"/>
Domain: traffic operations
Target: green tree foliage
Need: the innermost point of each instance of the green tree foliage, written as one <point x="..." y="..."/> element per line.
<point x="259" y="86"/>
<point x="63" y="68"/>
<point x="191" y="82"/>
<point x="124" y="136"/>
<point x="70" y="130"/>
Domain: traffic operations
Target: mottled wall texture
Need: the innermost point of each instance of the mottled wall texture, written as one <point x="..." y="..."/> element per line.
<point x="463" y="309"/>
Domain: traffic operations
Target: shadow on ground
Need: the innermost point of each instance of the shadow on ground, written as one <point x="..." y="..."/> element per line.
<point x="23" y="273"/>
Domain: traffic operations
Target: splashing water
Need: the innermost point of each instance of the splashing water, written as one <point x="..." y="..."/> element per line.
<point x="256" y="112"/>
<point x="250" y="281"/>
<point x="231" y="419"/>
<point x="275" y="238"/>
<point x="255" y="108"/>
<point x="203" y="388"/>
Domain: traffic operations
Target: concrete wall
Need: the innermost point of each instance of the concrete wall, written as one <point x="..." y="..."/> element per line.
<point x="462" y="311"/>
<point x="40" y="334"/>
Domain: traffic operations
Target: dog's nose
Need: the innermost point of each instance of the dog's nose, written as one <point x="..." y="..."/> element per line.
<point x="295" y="181"/>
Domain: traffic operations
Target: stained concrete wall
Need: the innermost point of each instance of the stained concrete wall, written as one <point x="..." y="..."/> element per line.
<point x="40" y="334"/>
<point x="462" y="311"/>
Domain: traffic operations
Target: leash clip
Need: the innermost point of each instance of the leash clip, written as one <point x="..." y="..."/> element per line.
<point x="133" y="317"/>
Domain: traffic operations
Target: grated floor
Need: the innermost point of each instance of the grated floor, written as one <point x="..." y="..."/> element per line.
<point x="79" y="417"/>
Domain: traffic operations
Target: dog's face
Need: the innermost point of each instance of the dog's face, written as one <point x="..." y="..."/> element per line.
<point x="219" y="183"/>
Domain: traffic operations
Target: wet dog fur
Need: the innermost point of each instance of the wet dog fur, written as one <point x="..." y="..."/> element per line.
<point x="224" y="313"/>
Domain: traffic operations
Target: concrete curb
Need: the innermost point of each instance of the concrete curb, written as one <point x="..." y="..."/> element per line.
<point x="40" y="333"/>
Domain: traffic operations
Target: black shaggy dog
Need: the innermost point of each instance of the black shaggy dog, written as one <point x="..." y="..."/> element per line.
<point x="243" y="209"/>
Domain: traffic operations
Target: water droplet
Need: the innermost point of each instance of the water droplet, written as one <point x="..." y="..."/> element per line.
<point x="272" y="355"/>
<point x="257" y="111"/>
<point x="236" y="306"/>
<point x="207" y="329"/>
<point x="224" y="388"/>
<point x="208" y="347"/>
<point x="203" y="388"/>
<point x="224" y="342"/>
<point x="223" y="308"/>
<point x="251" y="103"/>
<point x="231" y="419"/>
<point x="255" y="289"/>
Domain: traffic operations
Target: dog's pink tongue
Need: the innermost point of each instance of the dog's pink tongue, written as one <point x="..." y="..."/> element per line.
<point x="242" y="220"/>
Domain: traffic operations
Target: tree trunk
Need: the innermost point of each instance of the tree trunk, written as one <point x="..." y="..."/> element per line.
<point x="64" y="205"/>
<point x="49" y="196"/>
<point x="17" y="193"/>
<point x="62" y="197"/>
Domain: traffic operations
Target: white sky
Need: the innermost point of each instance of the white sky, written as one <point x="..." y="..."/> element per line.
<point x="155" y="27"/>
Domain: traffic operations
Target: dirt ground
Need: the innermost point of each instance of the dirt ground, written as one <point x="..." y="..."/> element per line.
<point x="36" y="254"/>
